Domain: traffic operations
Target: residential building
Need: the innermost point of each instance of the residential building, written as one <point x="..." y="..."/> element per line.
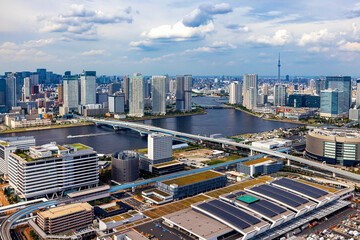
<point x="280" y="95"/>
<point x="184" y="93"/>
<point x="354" y="114"/>
<point x="158" y="94"/>
<point x="333" y="103"/>
<point x="250" y="90"/>
<point x="235" y="93"/>
<point x="125" y="166"/>
<point x="136" y="96"/>
<point x="11" y="144"/>
<point x="27" y="88"/>
<point x="11" y="91"/>
<point x="341" y="83"/>
<point x="60" y="219"/>
<point x="188" y="92"/>
<point x="2" y="92"/>
<point x="126" y="85"/>
<point x="60" y="93"/>
<point x="159" y="146"/>
<point x="88" y="87"/>
<point x="21" y="122"/>
<point x="117" y="103"/>
<point x="357" y="93"/>
<point x="51" y="169"/>
<point x="71" y="92"/>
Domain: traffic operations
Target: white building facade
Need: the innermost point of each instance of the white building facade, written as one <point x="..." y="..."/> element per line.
<point x="88" y="87"/>
<point x="235" y="93"/>
<point x="158" y="94"/>
<point x="136" y="96"/>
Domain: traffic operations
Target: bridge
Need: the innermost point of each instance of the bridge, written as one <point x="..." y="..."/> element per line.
<point x="226" y="142"/>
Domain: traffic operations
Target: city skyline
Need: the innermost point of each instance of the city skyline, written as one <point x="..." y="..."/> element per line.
<point x="232" y="37"/>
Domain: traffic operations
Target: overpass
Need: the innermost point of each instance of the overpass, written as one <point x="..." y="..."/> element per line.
<point x="224" y="142"/>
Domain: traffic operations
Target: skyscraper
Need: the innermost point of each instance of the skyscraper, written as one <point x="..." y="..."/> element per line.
<point x="159" y="146"/>
<point x="180" y="98"/>
<point x="333" y="103"/>
<point x="188" y="92"/>
<point x="113" y="88"/>
<point x="60" y="93"/>
<point x="235" y="93"/>
<point x="280" y="95"/>
<point x="42" y="75"/>
<point x="126" y="89"/>
<point x="136" y="96"/>
<point x="27" y="88"/>
<point x="11" y="98"/>
<point x="279" y="65"/>
<point x="71" y="92"/>
<point x="250" y="81"/>
<point x="357" y="93"/>
<point x="117" y="103"/>
<point x="341" y="83"/>
<point x="2" y="92"/>
<point x="158" y="94"/>
<point x="320" y="85"/>
<point x="88" y="87"/>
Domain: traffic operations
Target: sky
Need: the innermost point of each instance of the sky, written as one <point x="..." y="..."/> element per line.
<point x="155" y="37"/>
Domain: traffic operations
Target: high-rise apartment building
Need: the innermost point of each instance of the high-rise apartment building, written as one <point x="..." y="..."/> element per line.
<point x="60" y="93"/>
<point x="235" y="93"/>
<point x="117" y="103"/>
<point x="265" y="89"/>
<point x="27" y="88"/>
<point x="159" y="147"/>
<point x="136" y="96"/>
<point x="341" y="83"/>
<point x="51" y="169"/>
<point x="357" y="93"/>
<point x="9" y="145"/>
<point x="280" y="95"/>
<point x="158" y="95"/>
<point x="11" y="91"/>
<point x="333" y="103"/>
<point x="320" y="84"/>
<point x="126" y="85"/>
<point x="88" y="87"/>
<point x="71" y="92"/>
<point x="250" y="90"/>
<point x="184" y="93"/>
<point x="2" y="92"/>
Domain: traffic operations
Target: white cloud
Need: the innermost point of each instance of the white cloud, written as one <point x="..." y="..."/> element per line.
<point x="237" y="27"/>
<point x="204" y="14"/>
<point x="93" y="52"/>
<point x="314" y="37"/>
<point x="318" y="49"/>
<point x="179" y="32"/>
<point x="349" y="46"/>
<point x="280" y="38"/>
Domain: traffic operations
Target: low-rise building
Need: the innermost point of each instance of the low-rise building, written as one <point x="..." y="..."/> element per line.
<point x="260" y="166"/>
<point x="66" y="217"/>
<point x="118" y="220"/>
<point x="167" y="167"/>
<point x="272" y="143"/>
<point x="21" y="122"/>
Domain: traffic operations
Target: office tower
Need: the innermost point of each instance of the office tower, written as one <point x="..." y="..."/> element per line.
<point x="71" y="92"/>
<point x="136" y="96"/>
<point x="235" y="93"/>
<point x="88" y="87"/>
<point x="60" y="93"/>
<point x="42" y="75"/>
<point x="320" y="85"/>
<point x="180" y="98"/>
<point x="159" y="147"/>
<point x="11" y="144"/>
<point x="117" y="103"/>
<point x="27" y="88"/>
<point x="2" y="92"/>
<point x="11" y="98"/>
<point x="333" y="103"/>
<point x="357" y="93"/>
<point x="250" y="81"/>
<point x="188" y="92"/>
<point x="67" y="73"/>
<point x="113" y="88"/>
<point x="158" y="95"/>
<point x="101" y="98"/>
<point x="265" y="89"/>
<point x="50" y="169"/>
<point x="304" y="100"/>
<point x="287" y="78"/>
<point x="280" y="95"/>
<point x="125" y="166"/>
<point x="34" y="79"/>
<point x="341" y="83"/>
<point x="126" y="85"/>
<point x="279" y="65"/>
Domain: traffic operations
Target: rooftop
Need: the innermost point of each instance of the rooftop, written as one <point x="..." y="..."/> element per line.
<point x="247" y="198"/>
<point x="257" y="161"/>
<point x="331" y="131"/>
<point x="79" y="146"/>
<point x="165" y="164"/>
<point x="194" y="178"/>
<point x="65" y="210"/>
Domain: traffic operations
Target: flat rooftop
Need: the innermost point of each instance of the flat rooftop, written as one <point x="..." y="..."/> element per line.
<point x="89" y="191"/>
<point x="257" y="161"/>
<point x="79" y="146"/>
<point x="198" y="223"/>
<point x="155" y="190"/>
<point x="330" y="189"/>
<point x="166" y="164"/>
<point x="194" y="178"/>
<point x="65" y="210"/>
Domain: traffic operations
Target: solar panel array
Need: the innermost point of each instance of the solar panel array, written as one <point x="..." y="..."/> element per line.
<point x="280" y="195"/>
<point x="229" y="213"/>
<point x="301" y="187"/>
<point x="267" y="208"/>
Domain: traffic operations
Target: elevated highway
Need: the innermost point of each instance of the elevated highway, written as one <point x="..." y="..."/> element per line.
<point x="315" y="164"/>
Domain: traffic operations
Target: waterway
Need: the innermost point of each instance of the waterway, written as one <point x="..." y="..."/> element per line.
<point x="227" y="122"/>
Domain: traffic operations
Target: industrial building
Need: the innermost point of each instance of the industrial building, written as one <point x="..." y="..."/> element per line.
<point x="189" y="185"/>
<point x="65" y="217"/>
<point x="260" y="166"/>
<point x="9" y="145"/>
<point x="125" y="166"/>
<point x="334" y="145"/>
<point x="51" y="169"/>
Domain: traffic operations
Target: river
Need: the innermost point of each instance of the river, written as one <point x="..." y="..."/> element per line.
<point x="227" y="122"/>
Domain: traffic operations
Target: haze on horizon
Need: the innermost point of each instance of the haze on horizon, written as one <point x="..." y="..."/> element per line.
<point x="177" y="37"/>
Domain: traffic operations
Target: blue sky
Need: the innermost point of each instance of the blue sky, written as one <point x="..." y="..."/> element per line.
<point x="154" y="37"/>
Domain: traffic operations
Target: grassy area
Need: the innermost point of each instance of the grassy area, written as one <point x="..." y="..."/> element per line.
<point x="166" y="163"/>
<point x="142" y="150"/>
<point x="198" y="177"/>
<point x="222" y="160"/>
<point x="46" y="127"/>
<point x="79" y="146"/>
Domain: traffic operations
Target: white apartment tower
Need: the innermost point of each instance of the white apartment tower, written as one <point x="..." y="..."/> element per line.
<point x="159" y="147"/>
<point x="158" y="94"/>
<point x="136" y="96"/>
<point x="184" y="93"/>
<point x="235" y="93"/>
<point x="27" y="88"/>
<point x="280" y="95"/>
<point x="71" y="92"/>
<point x="88" y="87"/>
<point x="188" y="92"/>
<point x="358" y="93"/>
<point x="250" y="86"/>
